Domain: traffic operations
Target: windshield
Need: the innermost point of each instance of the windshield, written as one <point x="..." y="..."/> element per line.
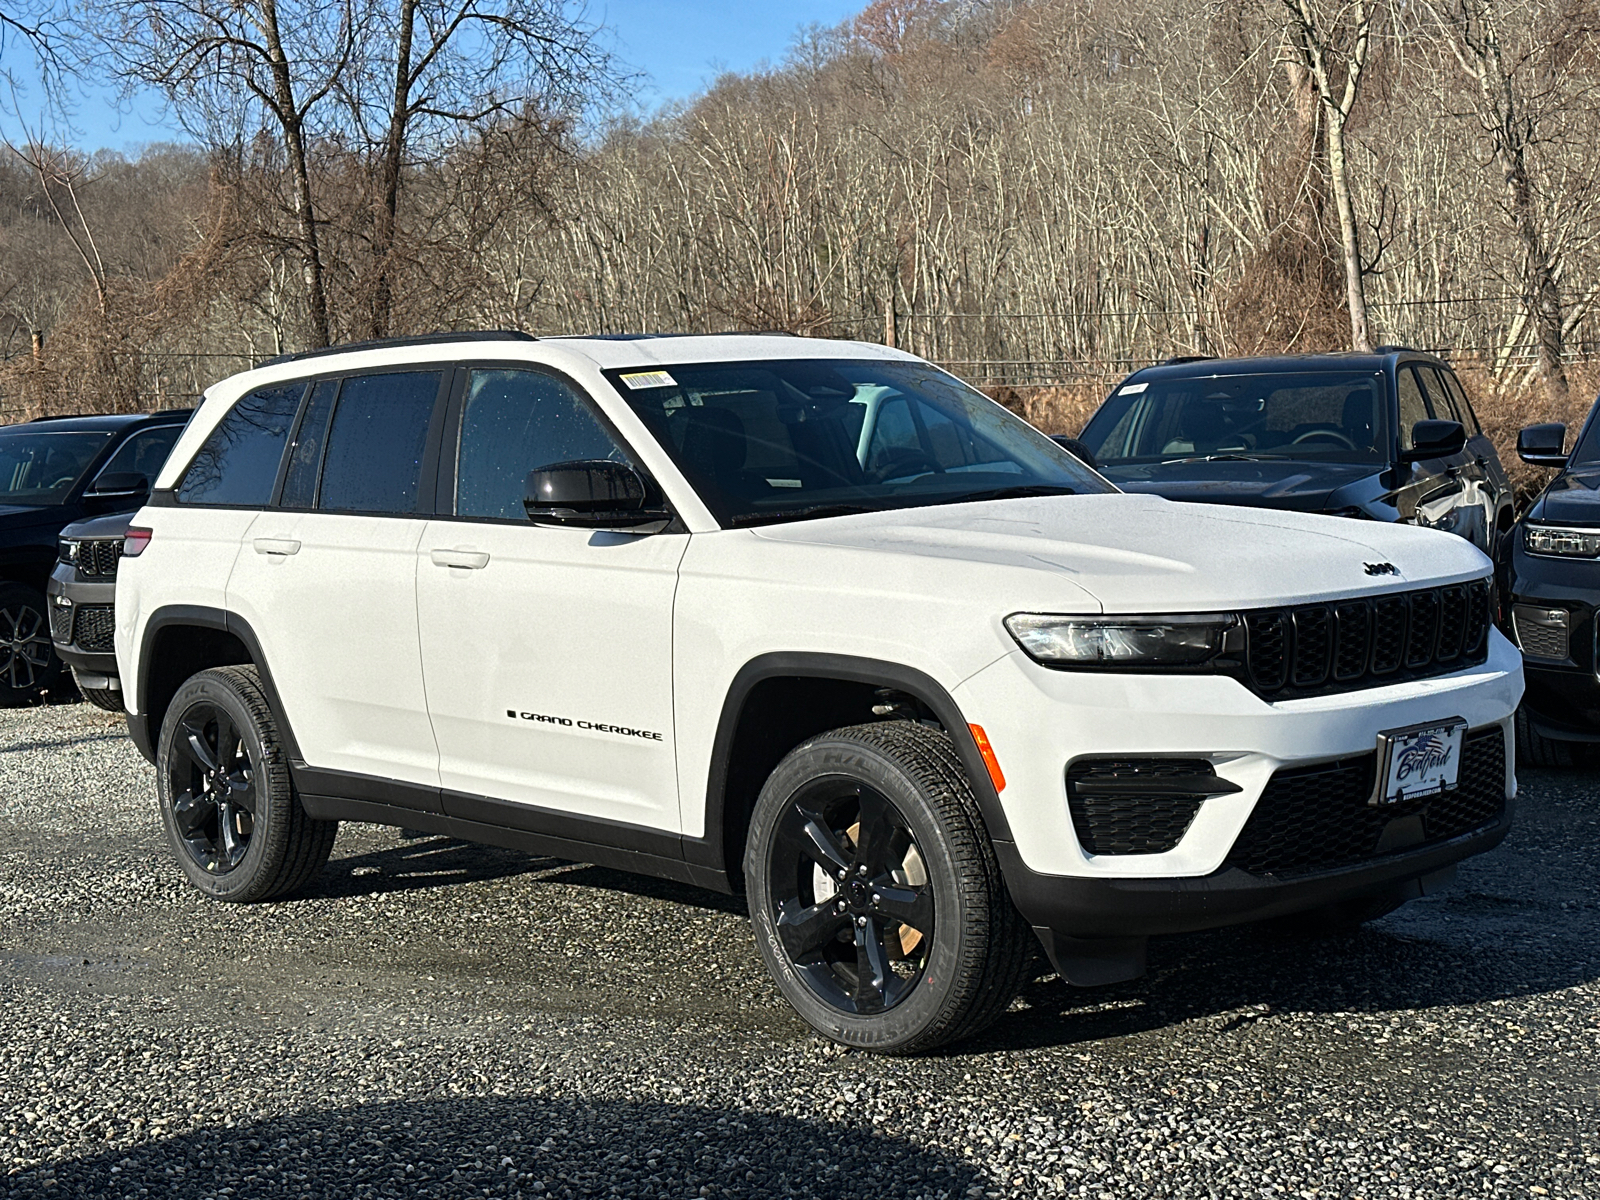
<point x="1328" y="416"/>
<point x="778" y="441"/>
<point x="39" y="468"/>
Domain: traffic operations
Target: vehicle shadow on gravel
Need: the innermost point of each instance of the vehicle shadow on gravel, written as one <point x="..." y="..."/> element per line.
<point x="419" y="865"/>
<point x="529" y="1146"/>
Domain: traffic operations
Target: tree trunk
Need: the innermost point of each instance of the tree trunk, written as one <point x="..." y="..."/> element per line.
<point x="1349" y="239"/>
<point x="304" y="205"/>
<point x="1538" y="280"/>
<point x="386" y="218"/>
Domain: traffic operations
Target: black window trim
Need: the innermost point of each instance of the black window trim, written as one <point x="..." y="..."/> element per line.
<point x="450" y="442"/>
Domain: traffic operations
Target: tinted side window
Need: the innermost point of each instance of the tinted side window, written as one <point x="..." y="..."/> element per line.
<point x="376" y="443"/>
<point x="514" y="421"/>
<point x="1413" y="407"/>
<point x="238" y="464"/>
<point x="1444" y="404"/>
<point x="1463" y="405"/>
<point x="144" y="453"/>
<point x="305" y="453"/>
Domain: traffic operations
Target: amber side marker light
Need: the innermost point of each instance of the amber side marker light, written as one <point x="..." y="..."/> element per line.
<point x="986" y="751"/>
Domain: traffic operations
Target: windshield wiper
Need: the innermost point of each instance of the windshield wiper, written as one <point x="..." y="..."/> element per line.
<point x="805" y="513"/>
<point x="1199" y="458"/>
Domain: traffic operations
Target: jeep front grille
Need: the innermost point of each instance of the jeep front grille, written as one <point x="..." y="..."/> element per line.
<point x="97" y="559"/>
<point x="1314" y="649"/>
<point x="95" y="627"/>
<point x="1138" y="805"/>
<point x="1318" y="818"/>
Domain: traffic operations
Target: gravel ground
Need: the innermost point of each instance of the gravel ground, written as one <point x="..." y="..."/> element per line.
<point x="435" y="1019"/>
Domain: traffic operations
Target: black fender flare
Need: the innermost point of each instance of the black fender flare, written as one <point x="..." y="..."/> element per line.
<point x="206" y="618"/>
<point x="709" y="850"/>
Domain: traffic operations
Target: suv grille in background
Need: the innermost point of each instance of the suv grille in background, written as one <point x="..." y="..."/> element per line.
<point x="1138" y="806"/>
<point x="1320" y="648"/>
<point x="98" y="559"/>
<point x="1317" y="818"/>
<point x="95" y="627"/>
<point x="1542" y="632"/>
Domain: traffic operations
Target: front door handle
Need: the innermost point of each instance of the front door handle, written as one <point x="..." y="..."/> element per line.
<point x="276" y="546"/>
<point x="472" y="560"/>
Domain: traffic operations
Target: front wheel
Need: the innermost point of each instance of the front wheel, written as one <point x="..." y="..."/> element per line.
<point x="1536" y="750"/>
<point x="227" y="804"/>
<point x="877" y="902"/>
<point x="28" y="662"/>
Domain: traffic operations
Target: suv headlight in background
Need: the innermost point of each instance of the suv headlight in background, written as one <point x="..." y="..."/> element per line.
<point x="1176" y="640"/>
<point x="1556" y="542"/>
<point x="67" y="550"/>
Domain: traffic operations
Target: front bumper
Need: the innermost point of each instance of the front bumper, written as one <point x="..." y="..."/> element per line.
<point x="67" y="593"/>
<point x="1563" y="697"/>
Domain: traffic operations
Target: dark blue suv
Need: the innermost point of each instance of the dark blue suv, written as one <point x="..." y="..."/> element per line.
<point x="1388" y="436"/>
<point x="53" y="472"/>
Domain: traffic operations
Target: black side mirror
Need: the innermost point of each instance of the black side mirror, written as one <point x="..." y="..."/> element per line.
<point x="1075" y="448"/>
<point x="593" y="494"/>
<point x="119" y="485"/>
<point x="1541" y="445"/>
<point x="1435" y="439"/>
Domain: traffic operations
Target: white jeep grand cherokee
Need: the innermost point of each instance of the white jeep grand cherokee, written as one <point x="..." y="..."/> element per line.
<point x="810" y="619"/>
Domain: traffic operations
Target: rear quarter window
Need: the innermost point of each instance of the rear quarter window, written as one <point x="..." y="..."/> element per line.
<point x="238" y="463"/>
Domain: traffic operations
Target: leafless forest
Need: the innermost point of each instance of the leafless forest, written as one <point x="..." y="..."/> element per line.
<point x="1039" y="194"/>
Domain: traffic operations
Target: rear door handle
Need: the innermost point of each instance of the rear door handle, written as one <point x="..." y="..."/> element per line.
<point x="276" y="546"/>
<point x="472" y="560"/>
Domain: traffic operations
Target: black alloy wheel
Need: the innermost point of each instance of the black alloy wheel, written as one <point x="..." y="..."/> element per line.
<point x="855" y="911"/>
<point x="878" y="905"/>
<point x="213" y="788"/>
<point x="28" y="662"/>
<point x="228" y="804"/>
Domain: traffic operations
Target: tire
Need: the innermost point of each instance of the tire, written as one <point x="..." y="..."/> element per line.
<point x="28" y="663"/>
<point x="228" y="806"/>
<point x="890" y="805"/>
<point x="1536" y="750"/>
<point x="100" y="697"/>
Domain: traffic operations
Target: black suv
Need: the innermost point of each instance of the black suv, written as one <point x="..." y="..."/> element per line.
<point x="53" y="472"/>
<point x="1388" y="436"/>
<point x="1555" y="594"/>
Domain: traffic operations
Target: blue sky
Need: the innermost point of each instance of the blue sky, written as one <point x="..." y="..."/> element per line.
<point x="680" y="47"/>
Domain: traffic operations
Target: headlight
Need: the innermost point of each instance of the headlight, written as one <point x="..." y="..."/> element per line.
<point x="67" y="550"/>
<point x="1182" y="640"/>
<point x="1561" y="543"/>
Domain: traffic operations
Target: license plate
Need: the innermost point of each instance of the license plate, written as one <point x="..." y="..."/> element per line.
<point x="1423" y="760"/>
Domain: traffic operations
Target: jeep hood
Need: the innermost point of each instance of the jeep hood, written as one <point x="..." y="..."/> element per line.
<point x="1142" y="554"/>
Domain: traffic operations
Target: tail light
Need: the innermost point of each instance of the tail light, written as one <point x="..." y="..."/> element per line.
<point x="134" y="542"/>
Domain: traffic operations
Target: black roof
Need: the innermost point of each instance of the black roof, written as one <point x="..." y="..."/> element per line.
<point x="104" y="422"/>
<point x="1343" y="360"/>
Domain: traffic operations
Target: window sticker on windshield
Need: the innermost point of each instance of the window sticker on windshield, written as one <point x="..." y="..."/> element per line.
<point x="785" y="483"/>
<point x="1133" y="389"/>
<point x="638" y="380"/>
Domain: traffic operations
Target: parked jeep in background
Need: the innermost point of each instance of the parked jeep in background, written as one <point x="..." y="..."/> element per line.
<point x="806" y="619"/>
<point x="82" y="597"/>
<point x="53" y="472"/>
<point x="1555" y="596"/>
<point x="1389" y="436"/>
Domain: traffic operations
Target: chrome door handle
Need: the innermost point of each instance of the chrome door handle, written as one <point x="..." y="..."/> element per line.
<point x="276" y="546"/>
<point x="472" y="560"/>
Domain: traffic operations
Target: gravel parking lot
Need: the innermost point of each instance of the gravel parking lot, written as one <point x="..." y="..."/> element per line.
<point x="446" y="1020"/>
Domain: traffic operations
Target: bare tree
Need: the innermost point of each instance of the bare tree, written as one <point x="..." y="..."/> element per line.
<point x="226" y="66"/>
<point x="1333" y="48"/>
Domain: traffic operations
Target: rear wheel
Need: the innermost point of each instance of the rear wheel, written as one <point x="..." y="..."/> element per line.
<point x="1536" y="750"/>
<point x="28" y="662"/>
<point x="877" y="902"/>
<point x="230" y="811"/>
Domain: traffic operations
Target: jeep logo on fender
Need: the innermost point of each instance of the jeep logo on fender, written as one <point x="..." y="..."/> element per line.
<point x="594" y="726"/>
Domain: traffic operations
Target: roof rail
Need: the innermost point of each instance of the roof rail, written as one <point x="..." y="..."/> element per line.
<point x="1178" y="359"/>
<point x="1397" y="350"/>
<point x="420" y="339"/>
